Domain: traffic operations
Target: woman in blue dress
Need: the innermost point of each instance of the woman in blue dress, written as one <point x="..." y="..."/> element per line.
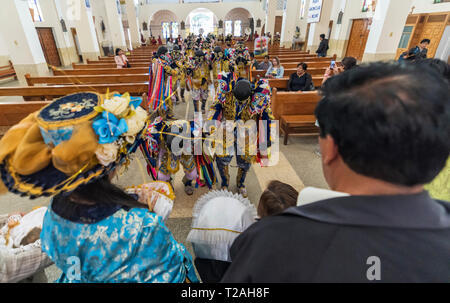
<point x="93" y="231"/>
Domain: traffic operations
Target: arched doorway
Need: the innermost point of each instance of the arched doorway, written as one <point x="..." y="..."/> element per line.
<point x="237" y="22"/>
<point x="202" y="20"/>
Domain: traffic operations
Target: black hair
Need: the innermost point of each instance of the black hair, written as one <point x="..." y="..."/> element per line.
<point x="101" y="191"/>
<point x="389" y="121"/>
<point x="349" y="63"/>
<point x="425" y="40"/>
<point x="117" y="51"/>
<point x="303" y="65"/>
<point x="252" y="55"/>
<point x="162" y="50"/>
<point x="322" y="36"/>
<point x="267" y="56"/>
<point x="441" y="67"/>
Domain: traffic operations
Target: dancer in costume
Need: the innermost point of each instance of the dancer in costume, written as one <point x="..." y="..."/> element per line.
<point x="200" y="79"/>
<point x="240" y="101"/>
<point x="162" y="162"/>
<point x="219" y="64"/>
<point x="160" y="89"/>
<point x="241" y="59"/>
<point x="179" y="79"/>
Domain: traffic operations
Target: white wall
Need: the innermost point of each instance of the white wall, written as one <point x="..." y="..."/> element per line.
<point x="428" y="7"/>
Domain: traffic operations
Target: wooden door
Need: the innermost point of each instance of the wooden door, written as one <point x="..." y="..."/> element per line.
<point x="278" y="25"/>
<point x="48" y="45"/>
<point x="358" y="38"/>
<point x="76" y="43"/>
<point x="433" y="30"/>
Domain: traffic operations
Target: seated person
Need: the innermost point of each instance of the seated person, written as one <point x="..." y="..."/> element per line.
<point x="121" y="59"/>
<point x="346" y="64"/>
<point x="301" y="80"/>
<point x="384" y="134"/>
<point x="265" y="65"/>
<point x="276" y="70"/>
<point x="418" y="52"/>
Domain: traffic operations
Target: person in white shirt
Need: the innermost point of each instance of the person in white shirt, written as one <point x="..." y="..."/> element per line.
<point x="121" y="59"/>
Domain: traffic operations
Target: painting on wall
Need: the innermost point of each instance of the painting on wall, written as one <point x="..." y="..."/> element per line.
<point x="369" y="6"/>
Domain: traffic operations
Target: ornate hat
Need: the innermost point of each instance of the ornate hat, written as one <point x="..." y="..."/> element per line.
<point x="72" y="141"/>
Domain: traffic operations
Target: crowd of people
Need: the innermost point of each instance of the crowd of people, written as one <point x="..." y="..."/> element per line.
<point x="384" y="141"/>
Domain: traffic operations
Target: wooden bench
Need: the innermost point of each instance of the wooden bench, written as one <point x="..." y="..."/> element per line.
<point x="87" y="79"/>
<point x="13" y="112"/>
<point x="105" y="65"/>
<point x="7" y="71"/>
<point x="295" y="110"/>
<point x="281" y="84"/>
<point x="100" y="71"/>
<point x="42" y="93"/>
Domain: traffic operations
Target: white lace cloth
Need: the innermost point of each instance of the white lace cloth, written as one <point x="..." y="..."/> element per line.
<point x="219" y="217"/>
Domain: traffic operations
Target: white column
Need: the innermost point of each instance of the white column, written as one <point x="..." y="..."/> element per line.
<point x="4" y="52"/>
<point x="133" y="23"/>
<point x="21" y="38"/>
<point x="80" y="17"/>
<point x="53" y="14"/>
<point x="386" y="29"/>
<point x="291" y="16"/>
<point x="114" y="25"/>
<point x="270" y="17"/>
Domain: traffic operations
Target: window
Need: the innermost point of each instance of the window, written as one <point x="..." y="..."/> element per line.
<point x="302" y="8"/>
<point x="35" y="9"/>
<point x="237" y="28"/>
<point x="228" y="27"/>
<point x="174" y="29"/>
<point x="406" y="35"/>
<point x="204" y="21"/>
<point x="166" y="30"/>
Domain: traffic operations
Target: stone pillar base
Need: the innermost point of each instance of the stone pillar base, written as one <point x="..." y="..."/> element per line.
<point x="35" y="70"/>
<point x="4" y="60"/>
<point x="368" y="57"/>
<point x="90" y="56"/>
<point x="68" y="56"/>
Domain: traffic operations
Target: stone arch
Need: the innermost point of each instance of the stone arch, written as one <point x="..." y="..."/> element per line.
<point x="242" y="14"/>
<point x="157" y="18"/>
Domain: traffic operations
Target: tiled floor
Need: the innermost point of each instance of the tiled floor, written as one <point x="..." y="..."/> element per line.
<point x="298" y="165"/>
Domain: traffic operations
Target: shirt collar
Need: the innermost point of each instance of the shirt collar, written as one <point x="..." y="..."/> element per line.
<point x="417" y="211"/>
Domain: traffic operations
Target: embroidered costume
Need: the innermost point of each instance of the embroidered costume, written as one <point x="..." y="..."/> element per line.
<point x="240" y="101"/>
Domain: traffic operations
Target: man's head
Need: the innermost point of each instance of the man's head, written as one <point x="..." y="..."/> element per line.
<point x="266" y="58"/>
<point x="276" y="198"/>
<point x="322" y="36"/>
<point x="242" y="90"/>
<point x="386" y="124"/>
<point x="424" y="43"/>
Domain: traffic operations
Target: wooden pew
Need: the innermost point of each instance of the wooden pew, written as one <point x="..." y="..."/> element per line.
<point x="100" y="71"/>
<point x="281" y="84"/>
<point x="295" y="110"/>
<point x="13" y="112"/>
<point x="41" y="93"/>
<point x="7" y="71"/>
<point x="87" y="79"/>
<point x="104" y="65"/>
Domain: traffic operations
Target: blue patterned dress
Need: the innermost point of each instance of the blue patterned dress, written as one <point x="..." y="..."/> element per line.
<point x="127" y="246"/>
